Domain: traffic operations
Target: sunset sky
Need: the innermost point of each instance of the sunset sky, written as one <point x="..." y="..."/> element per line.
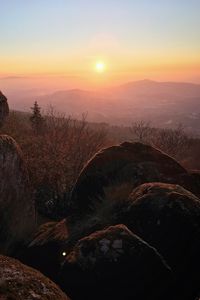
<point x="135" y="39"/>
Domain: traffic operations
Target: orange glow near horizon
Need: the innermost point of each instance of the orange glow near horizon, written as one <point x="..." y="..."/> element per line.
<point x="79" y="71"/>
<point x="80" y="65"/>
<point x="127" y="40"/>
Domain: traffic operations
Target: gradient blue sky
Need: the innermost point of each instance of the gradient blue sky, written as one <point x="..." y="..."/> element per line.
<point x="68" y="36"/>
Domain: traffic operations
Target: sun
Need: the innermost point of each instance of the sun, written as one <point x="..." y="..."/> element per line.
<point x="100" y="66"/>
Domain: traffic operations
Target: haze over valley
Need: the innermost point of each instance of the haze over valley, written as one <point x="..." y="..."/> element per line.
<point x="164" y="104"/>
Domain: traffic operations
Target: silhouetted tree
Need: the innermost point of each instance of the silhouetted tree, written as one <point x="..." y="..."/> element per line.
<point x="37" y="121"/>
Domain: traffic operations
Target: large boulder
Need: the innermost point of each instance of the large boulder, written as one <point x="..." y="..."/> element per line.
<point x="4" y="108"/>
<point x="119" y="169"/>
<point x="19" y="282"/>
<point x="168" y="217"/>
<point x="115" y="264"/>
<point x="17" y="213"/>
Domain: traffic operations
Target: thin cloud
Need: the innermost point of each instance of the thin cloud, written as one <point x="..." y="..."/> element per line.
<point x="14" y="77"/>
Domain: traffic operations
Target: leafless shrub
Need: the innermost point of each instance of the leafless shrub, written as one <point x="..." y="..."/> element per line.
<point x="68" y="144"/>
<point x="56" y="156"/>
<point x="174" y="142"/>
<point x="142" y="131"/>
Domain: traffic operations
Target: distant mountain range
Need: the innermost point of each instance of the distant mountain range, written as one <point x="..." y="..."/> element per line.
<point x="162" y="103"/>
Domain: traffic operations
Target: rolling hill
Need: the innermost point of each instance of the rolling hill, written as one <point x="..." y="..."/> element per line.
<point x="162" y="103"/>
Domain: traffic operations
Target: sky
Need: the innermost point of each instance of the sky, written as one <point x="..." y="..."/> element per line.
<point x="135" y="39"/>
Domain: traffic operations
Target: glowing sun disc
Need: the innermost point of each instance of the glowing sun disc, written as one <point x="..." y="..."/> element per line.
<point x="100" y="67"/>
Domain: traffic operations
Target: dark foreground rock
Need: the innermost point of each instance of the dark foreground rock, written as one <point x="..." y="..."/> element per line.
<point x="165" y="215"/>
<point x="168" y="217"/>
<point x="118" y="169"/>
<point x="115" y="264"/>
<point x="4" y="108"/>
<point x="45" y="251"/>
<point x="17" y="213"/>
<point x="19" y="282"/>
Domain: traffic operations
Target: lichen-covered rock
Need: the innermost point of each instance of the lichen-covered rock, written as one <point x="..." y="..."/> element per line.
<point x="4" y="108"/>
<point x="19" y="282"/>
<point x="17" y="213"/>
<point x="45" y="251"/>
<point x="122" y="167"/>
<point x="168" y="217"/>
<point x="115" y="264"/>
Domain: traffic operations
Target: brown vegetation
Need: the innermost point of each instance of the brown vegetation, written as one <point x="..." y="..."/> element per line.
<point x="56" y="152"/>
<point x="56" y="155"/>
<point x="175" y="142"/>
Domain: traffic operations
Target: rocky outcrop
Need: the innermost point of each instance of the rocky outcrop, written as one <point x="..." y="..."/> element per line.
<point x="117" y="170"/>
<point x="19" y="282"/>
<point x="115" y="264"/>
<point x="4" y="108"/>
<point x="84" y="257"/>
<point x="17" y="213"/>
<point x="165" y="215"/>
<point x="100" y="199"/>
<point x="168" y="217"/>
